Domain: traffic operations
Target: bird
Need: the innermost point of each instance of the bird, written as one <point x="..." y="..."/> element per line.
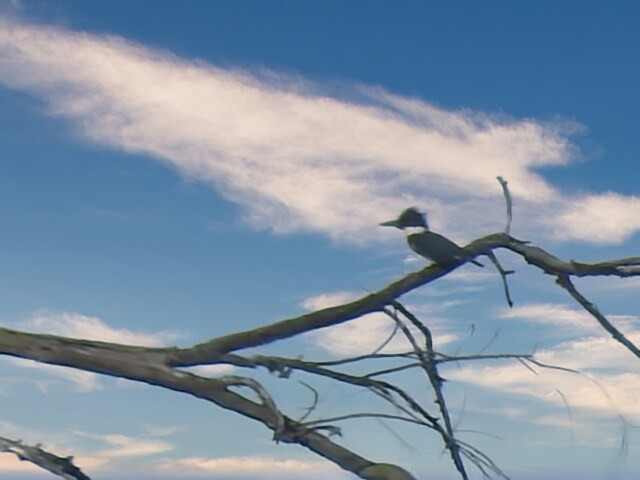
<point x="428" y="244"/>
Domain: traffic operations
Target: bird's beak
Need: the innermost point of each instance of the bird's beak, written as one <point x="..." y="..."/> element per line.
<point x="390" y="223"/>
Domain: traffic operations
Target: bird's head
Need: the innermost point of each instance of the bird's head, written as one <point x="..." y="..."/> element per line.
<point x="411" y="217"/>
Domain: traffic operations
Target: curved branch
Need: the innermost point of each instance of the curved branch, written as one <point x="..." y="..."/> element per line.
<point x="509" y="202"/>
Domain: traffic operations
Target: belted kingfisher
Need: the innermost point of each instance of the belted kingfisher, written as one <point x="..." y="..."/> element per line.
<point x="427" y="243"/>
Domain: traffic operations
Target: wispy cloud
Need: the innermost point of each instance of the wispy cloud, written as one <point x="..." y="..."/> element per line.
<point x="112" y="453"/>
<point x="607" y="384"/>
<point x="565" y="319"/>
<point x="75" y="325"/>
<point x="54" y="376"/>
<point x="91" y="451"/>
<point x="59" y="443"/>
<point x="606" y="218"/>
<point x="366" y="334"/>
<point x="127" y="446"/>
<point x="241" y="467"/>
<point x="557" y="315"/>
<point x="11" y="463"/>
<point x="299" y="156"/>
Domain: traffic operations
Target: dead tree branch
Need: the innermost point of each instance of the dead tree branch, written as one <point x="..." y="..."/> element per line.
<point x="60" y="466"/>
<point x="429" y="365"/>
<point x="565" y="282"/>
<point x="164" y="367"/>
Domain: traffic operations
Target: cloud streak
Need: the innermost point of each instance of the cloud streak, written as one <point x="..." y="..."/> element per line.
<point x="366" y="334"/>
<point x="606" y="385"/>
<point x="294" y="155"/>
<point x="243" y="467"/>
<point x="76" y="325"/>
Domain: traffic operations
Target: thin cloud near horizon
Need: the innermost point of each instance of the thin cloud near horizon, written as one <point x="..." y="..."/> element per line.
<point x="298" y="159"/>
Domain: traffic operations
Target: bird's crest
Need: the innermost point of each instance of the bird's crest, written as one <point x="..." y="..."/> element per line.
<point x="411" y="217"/>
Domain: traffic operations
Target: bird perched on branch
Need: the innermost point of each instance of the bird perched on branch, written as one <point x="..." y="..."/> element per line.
<point x="427" y="243"/>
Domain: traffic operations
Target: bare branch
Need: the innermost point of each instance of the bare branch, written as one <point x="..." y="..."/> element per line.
<point x="565" y="282"/>
<point x="507" y="198"/>
<point x="427" y="359"/>
<point x="267" y="401"/>
<point x="149" y="366"/>
<point x="161" y="366"/>
<point x="378" y="387"/>
<point x="482" y="461"/>
<point x="503" y="276"/>
<point x="60" y="466"/>
<point x="351" y="416"/>
<point x="313" y="404"/>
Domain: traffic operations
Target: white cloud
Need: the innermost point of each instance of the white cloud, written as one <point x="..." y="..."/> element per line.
<point x="127" y="446"/>
<point x="567" y="320"/>
<point x="76" y="325"/>
<point x="58" y="443"/>
<point x="296" y="157"/>
<point x="89" y="456"/>
<point x="366" y="334"/>
<point x="607" y="386"/>
<point x="82" y="381"/>
<point x="360" y="336"/>
<point x="328" y="299"/>
<point x="240" y="467"/>
<point x="554" y="314"/>
<point x="606" y="218"/>
<point x="11" y="463"/>
<point x="112" y="453"/>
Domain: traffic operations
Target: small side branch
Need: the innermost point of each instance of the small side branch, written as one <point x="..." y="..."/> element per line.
<point x="507" y="198"/>
<point x="261" y="392"/>
<point x="565" y="282"/>
<point x="503" y="276"/>
<point x="381" y="388"/>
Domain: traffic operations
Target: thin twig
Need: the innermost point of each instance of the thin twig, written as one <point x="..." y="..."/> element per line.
<point x="507" y="197"/>
<point x="378" y="387"/>
<point x="429" y="364"/>
<point x="442" y="358"/>
<point x="503" y="276"/>
<point x="351" y="416"/>
<point x="565" y="282"/>
<point x="386" y="341"/>
<point x="312" y="407"/>
<point x="261" y="392"/>
<point x="482" y="461"/>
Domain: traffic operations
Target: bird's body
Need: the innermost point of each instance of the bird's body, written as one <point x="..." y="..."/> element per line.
<point x="429" y="244"/>
<point x="438" y="248"/>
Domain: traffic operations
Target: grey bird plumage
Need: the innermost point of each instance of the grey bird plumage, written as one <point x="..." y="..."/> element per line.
<point x="429" y="244"/>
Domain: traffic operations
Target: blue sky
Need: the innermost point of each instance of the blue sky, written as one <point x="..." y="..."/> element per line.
<point x="173" y="171"/>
